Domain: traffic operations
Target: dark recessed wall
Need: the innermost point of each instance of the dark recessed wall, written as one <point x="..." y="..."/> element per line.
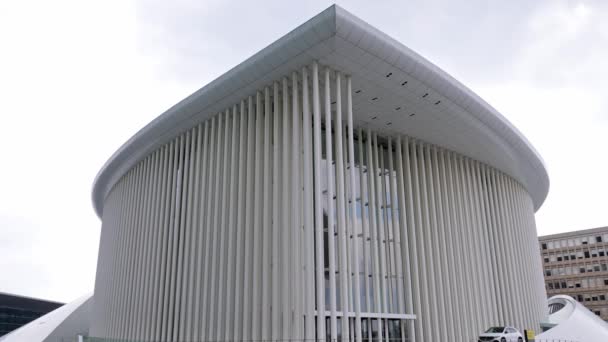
<point x="16" y="311"/>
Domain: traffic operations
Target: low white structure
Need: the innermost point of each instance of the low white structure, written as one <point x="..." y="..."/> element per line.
<point x="573" y="322"/>
<point x="61" y="324"/>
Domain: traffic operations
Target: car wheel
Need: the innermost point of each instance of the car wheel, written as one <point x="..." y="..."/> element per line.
<point x="503" y="340"/>
<point x="519" y="339"/>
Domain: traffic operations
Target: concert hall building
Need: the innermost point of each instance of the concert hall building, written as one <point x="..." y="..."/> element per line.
<point x="335" y="185"/>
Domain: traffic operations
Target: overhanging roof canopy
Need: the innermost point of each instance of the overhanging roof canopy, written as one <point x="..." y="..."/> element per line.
<point x="390" y="81"/>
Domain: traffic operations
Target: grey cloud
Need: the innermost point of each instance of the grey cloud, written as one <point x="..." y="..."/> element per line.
<point x="195" y="41"/>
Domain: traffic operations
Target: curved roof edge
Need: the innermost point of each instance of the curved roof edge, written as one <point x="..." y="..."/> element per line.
<point x="63" y="323"/>
<point x="315" y="40"/>
<point x="573" y="322"/>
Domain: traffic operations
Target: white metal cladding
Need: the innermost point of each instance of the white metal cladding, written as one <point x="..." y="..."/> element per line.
<point x="390" y="83"/>
<point x="266" y="220"/>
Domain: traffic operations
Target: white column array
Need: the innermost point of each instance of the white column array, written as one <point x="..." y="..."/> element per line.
<point x="279" y="213"/>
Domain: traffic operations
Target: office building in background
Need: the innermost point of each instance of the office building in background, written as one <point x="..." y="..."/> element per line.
<point x="576" y="264"/>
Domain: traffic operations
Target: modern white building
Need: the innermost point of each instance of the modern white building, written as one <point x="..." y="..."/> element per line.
<point x="570" y="320"/>
<point x="335" y="185"/>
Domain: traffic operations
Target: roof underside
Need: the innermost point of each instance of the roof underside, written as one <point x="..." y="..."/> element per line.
<point x="390" y="82"/>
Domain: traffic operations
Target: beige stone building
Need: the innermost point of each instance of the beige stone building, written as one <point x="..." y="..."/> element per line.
<point x="576" y="264"/>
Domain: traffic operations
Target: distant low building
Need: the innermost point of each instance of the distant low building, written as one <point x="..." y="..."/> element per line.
<point x="16" y="311"/>
<point x="576" y="264"/>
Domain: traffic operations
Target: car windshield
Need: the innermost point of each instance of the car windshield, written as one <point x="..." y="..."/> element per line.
<point x="495" y="330"/>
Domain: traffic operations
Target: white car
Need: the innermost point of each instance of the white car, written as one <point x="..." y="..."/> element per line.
<point x="501" y="334"/>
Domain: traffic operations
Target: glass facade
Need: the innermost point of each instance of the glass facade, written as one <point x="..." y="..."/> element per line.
<point x="378" y="243"/>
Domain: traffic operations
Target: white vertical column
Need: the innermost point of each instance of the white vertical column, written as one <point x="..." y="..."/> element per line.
<point x="286" y="231"/>
<point x="341" y="216"/>
<point x="522" y="254"/>
<point x="175" y="229"/>
<point x="500" y="253"/>
<point x="433" y="242"/>
<point x="258" y="221"/>
<point x="397" y="267"/>
<point x="194" y="247"/>
<point x="464" y="267"/>
<point x="188" y="235"/>
<point x="412" y="242"/>
<point x="135" y="311"/>
<point x="296" y="195"/>
<point x="364" y="223"/>
<point x="206" y="216"/>
<point x="318" y="207"/>
<point x="353" y="203"/>
<point x="385" y="246"/>
<point x="488" y="260"/>
<point x="440" y="243"/>
<point x="221" y="251"/>
<point x="121" y="305"/>
<point x="425" y="243"/>
<point x="531" y="319"/>
<point x="376" y="274"/>
<point x="169" y="223"/>
<point x="469" y="242"/>
<point x="248" y="294"/>
<point x="418" y="241"/>
<point x="109" y="259"/>
<point x="131" y="313"/>
<point x="137" y="300"/>
<point x="206" y="187"/>
<point x="509" y="230"/>
<point x="159" y="258"/>
<point x="107" y="286"/>
<point x="278" y="288"/>
<point x="308" y="214"/>
<point x="507" y="270"/>
<point x="381" y="240"/>
<point x="330" y="208"/>
<point x="484" y="256"/>
<point x="241" y="226"/>
<point x="229" y="324"/>
<point x="408" y="281"/>
<point x="177" y="246"/>
<point x="188" y="255"/>
<point x="449" y="222"/>
<point x="151" y="254"/>
<point x="266" y="206"/>
<point x="495" y="251"/>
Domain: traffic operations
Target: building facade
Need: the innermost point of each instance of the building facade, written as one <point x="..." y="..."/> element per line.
<point x="334" y="186"/>
<point x="576" y="264"/>
<point x="17" y="311"/>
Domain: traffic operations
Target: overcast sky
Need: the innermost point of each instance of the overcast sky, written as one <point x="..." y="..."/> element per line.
<point x="78" y="78"/>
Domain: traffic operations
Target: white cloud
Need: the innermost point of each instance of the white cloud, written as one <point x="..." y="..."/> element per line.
<point x="73" y="90"/>
<point x="556" y="97"/>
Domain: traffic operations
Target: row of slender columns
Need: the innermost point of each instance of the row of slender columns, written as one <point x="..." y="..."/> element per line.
<point x="221" y="233"/>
